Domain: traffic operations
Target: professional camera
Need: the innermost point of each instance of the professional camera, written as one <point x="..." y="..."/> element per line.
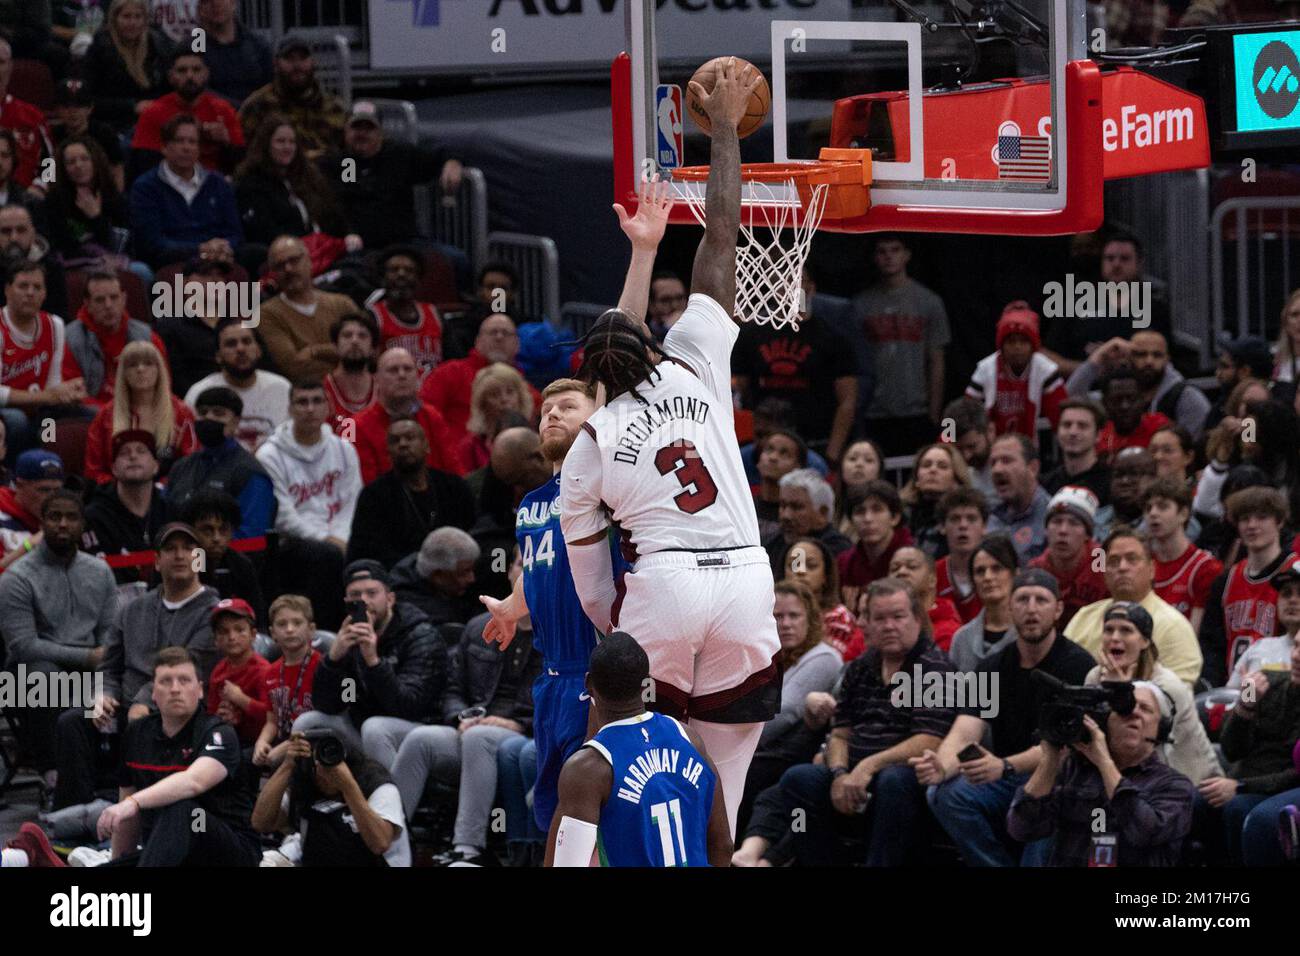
<point x="1060" y="719"/>
<point x="326" y="748"/>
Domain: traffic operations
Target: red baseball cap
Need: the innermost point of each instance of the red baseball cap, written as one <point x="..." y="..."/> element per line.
<point x="233" y="606"/>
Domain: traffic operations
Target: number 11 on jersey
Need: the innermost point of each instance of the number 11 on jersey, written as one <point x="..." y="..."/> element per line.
<point x="660" y="814"/>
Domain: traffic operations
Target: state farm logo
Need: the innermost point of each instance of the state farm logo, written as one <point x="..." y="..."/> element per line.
<point x="1277" y="79"/>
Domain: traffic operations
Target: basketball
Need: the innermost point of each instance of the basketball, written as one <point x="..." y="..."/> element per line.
<point x="760" y="101"/>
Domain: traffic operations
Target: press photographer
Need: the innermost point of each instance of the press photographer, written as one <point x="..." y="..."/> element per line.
<point x="344" y="807"/>
<point x="1145" y="806"/>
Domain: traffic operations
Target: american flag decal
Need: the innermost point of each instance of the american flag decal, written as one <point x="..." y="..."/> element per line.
<point x="1024" y="158"/>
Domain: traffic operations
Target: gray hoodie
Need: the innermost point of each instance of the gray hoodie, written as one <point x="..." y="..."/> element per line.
<point x="967" y="648"/>
<point x="56" y="612"/>
<point x="145" y="628"/>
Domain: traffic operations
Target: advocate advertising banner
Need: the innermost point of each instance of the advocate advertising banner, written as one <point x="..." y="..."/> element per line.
<point x="473" y="35"/>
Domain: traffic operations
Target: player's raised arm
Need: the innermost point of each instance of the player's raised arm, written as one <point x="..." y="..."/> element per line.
<point x="645" y="231"/>
<point x="714" y="273"/>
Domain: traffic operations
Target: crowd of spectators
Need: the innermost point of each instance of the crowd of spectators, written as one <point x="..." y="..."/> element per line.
<point x="274" y="514"/>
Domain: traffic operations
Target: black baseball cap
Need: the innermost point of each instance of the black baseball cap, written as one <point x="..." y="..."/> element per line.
<point x="170" y="530"/>
<point x="1253" y="352"/>
<point x="1284" y="577"/>
<point x="1132" y="612"/>
<point x="366" y="570"/>
<point x="1036" y="578"/>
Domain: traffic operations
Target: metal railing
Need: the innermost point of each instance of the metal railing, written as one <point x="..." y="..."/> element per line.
<point x="398" y="119"/>
<point x="1264" y="270"/>
<point x="1168" y="213"/>
<point x="579" y="317"/>
<point x="537" y="262"/>
<point x="459" y="220"/>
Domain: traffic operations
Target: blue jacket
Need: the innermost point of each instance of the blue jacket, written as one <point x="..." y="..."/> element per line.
<point x="231" y="469"/>
<point x="167" y="230"/>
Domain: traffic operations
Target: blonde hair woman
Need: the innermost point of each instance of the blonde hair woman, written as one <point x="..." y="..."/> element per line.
<point x="499" y="392"/>
<point x="1286" y="353"/>
<point x="126" y="64"/>
<point x="938" y="469"/>
<point x="142" y="399"/>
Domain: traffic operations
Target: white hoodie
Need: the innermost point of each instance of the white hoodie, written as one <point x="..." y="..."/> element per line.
<point x="316" y="486"/>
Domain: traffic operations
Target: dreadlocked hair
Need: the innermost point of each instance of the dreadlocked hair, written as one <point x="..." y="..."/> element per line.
<point x="616" y="353"/>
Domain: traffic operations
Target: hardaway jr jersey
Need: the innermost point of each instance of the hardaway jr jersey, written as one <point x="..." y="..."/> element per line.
<point x="658" y="812"/>
<point x="668" y="469"/>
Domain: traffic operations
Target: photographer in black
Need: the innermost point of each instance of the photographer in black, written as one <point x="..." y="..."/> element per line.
<point x="1108" y="799"/>
<point x="345" y="807"/>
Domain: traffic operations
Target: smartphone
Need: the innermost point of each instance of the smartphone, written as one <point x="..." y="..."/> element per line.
<point x="357" y="612"/>
<point x="972" y="752"/>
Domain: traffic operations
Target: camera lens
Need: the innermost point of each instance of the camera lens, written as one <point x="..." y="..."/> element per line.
<point x="328" y="751"/>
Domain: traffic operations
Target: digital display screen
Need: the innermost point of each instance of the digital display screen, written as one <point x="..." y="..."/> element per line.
<point x="1266" y="80"/>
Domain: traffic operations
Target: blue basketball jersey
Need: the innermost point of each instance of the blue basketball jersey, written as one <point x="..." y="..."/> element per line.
<point x="561" y="630"/>
<point x="659" y="807"/>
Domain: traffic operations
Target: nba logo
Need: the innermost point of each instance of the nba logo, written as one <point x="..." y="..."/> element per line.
<point x="668" y="124"/>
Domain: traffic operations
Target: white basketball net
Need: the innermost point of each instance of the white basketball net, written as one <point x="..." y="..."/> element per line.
<point x="768" y="271"/>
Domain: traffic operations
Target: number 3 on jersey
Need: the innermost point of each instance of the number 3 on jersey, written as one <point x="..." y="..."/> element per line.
<point x="682" y="458"/>
<point x="545" y="553"/>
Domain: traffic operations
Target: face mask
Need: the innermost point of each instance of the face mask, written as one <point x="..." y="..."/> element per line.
<point x="209" y="433"/>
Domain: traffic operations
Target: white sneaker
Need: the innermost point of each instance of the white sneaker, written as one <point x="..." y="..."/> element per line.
<point x="89" y="856"/>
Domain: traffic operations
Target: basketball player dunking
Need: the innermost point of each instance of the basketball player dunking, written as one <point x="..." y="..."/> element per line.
<point x="661" y="460"/>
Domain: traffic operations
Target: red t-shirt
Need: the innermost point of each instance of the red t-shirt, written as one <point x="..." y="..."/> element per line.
<point x="967" y="607"/>
<point x="288" y="691"/>
<point x="1080" y="586"/>
<point x="842" y="632"/>
<point x="857" y="570"/>
<point x="1185" y="581"/>
<point x="250" y="677"/>
<point x="208" y="108"/>
<point x="28" y="125"/>
<point x="944" y="622"/>
<point x="423" y="341"/>
<point x="447" y="388"/>
<point x="1109" y="441"/>
<point x="372" y="441"/>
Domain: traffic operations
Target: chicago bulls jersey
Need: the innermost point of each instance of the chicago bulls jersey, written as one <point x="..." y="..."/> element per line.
<point x="1014" y="402"/>
<point x="1249" y="607"/>
<point x="34" y="362"/>
<point x="1185" y="581"/>
<point x="423" y="341"/>
<point x="968" y="606"/>
<point x="341" y="410"/>
<point x="668" y="468"/>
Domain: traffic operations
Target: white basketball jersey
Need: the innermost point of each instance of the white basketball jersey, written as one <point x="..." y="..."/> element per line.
<point x="668" y="469"/>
